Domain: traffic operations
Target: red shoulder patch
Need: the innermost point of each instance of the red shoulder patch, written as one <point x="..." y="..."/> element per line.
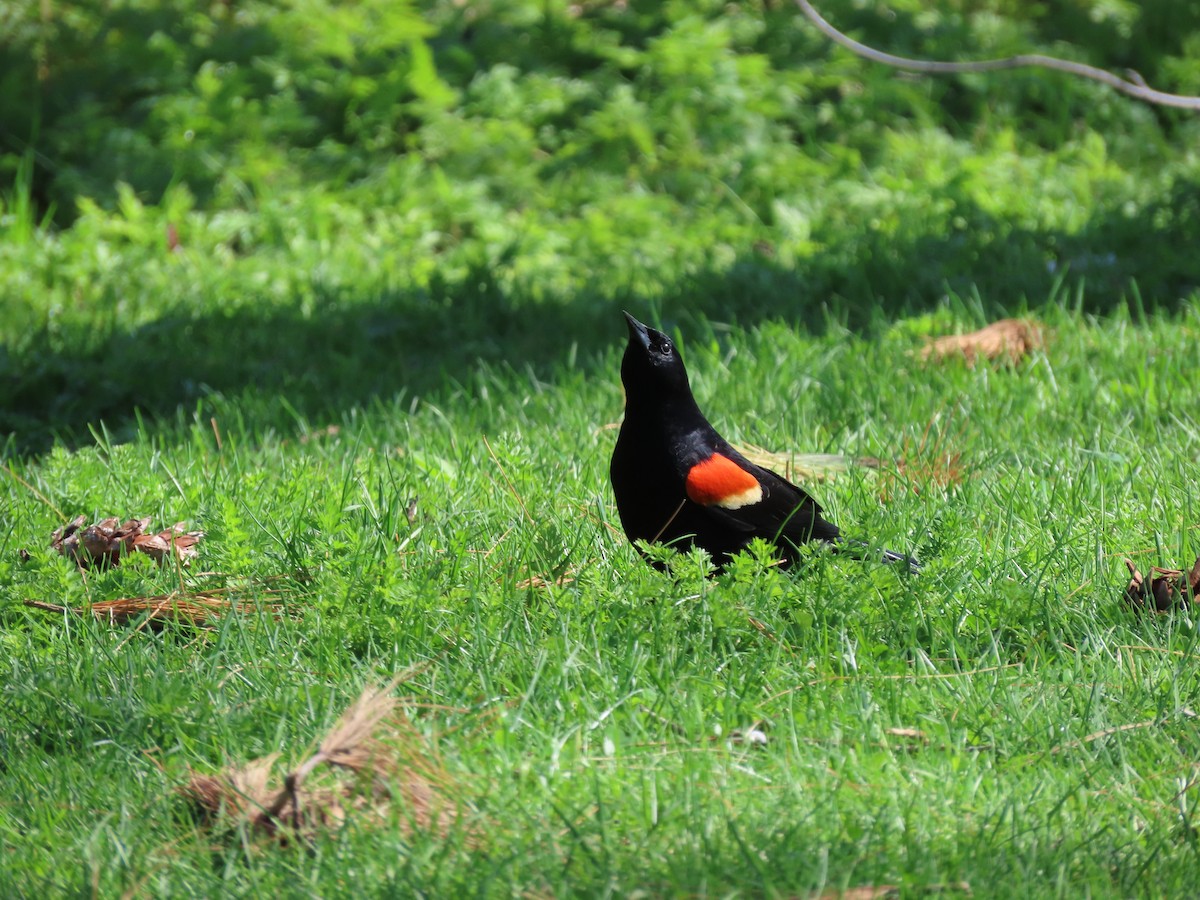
<point x="719" y="481"/>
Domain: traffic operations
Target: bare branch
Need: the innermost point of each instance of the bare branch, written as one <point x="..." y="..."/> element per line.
<point x="1133" y="86"/>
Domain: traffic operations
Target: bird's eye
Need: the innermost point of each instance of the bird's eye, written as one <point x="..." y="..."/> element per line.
<point x="665" y="348"/>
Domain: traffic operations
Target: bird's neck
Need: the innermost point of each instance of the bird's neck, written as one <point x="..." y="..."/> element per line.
<point x="672" y="411"/>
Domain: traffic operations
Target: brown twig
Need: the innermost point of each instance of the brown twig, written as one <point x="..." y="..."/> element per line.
<point x="1116" y="729"/>
<point x="1133" y="86"/>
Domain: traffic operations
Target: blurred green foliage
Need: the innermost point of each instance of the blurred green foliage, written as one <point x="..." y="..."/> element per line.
<point x="235" y="100"/>
<point x="166" y="167"/>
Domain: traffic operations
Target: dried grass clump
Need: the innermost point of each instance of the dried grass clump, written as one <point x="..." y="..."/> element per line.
<point x="539" y="582"/>
<point x="1006" y="341"/>
<point x="928" y="463"/>
<point x="372" y="761"/>
<point x="107" y="541"/>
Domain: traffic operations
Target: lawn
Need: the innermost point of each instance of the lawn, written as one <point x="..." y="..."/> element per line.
<point x="363" y="329"/>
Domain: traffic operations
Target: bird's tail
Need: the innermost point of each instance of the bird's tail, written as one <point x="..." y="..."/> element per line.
<point x="863" y="550"/>
<point x="891" y="556"/>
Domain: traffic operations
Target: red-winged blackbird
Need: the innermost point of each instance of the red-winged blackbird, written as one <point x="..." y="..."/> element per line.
<point x="678" y="482"/>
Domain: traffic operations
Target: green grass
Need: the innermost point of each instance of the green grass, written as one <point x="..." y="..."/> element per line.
<point x="585" y="723"/>
<point x="280" y="274"/>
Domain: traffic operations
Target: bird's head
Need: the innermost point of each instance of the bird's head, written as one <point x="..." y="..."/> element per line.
<point x="652" y="369"/>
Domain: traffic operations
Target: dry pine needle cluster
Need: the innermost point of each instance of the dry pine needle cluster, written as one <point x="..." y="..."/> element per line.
<point x="200" y="610"/>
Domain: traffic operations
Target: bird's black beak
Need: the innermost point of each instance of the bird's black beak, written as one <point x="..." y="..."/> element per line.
<point x="637" y="331"/>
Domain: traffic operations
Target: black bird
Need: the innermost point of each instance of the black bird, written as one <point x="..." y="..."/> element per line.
<point x="680" y="483"/>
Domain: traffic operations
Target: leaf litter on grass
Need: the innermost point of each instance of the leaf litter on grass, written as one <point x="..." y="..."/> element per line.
<point x="371" y="762"/>
<point x="107" y="541"/>
<point x="1167" y="589"/>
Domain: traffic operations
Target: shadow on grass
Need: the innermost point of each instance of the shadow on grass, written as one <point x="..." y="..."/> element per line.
<point x="425" y="341"/>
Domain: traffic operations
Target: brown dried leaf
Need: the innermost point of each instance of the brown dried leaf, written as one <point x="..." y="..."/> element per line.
<point x="1008" y="340"/>
<point x="65" y="531"/>
<point x="65" y="538"/>
<point x="157" y="546"/>
<point x="153" y="545"/>
<point x="1169" y="589"/>
<point x="106" y="542"/>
